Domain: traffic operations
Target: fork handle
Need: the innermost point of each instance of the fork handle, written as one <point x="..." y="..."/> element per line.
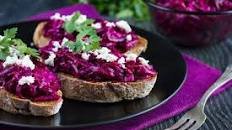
<point x="224" y="78"/>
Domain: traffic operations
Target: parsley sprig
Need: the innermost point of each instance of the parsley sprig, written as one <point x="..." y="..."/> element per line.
<point x="86" y="38"/>
<point x="9" y="40"/>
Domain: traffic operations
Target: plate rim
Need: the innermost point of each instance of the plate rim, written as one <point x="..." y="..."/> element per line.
<point x="109" y="121"/>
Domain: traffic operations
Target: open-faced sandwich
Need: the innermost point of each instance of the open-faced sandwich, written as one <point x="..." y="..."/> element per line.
<point x="117" y="36"/>
<point x="92" y="60"/>
<point x="28" y="87"/>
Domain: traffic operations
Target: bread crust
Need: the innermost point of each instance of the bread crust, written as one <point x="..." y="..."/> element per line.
<point x="11" y="103"/>
<point x="104" y="92"/>
<point x="41" y="41"/>
<point x="140" y="47"/>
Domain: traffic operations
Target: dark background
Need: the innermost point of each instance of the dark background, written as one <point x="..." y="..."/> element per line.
<point x="218" y="109"/>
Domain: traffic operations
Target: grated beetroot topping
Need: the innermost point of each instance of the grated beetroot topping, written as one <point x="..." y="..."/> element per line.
<point x="44" y="88"/>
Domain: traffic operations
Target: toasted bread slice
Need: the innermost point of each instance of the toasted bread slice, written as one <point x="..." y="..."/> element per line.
<point x="101" y="92"/>
<point x="104" y="92"/>
<point x="15" y="105"/>
<point x="41" y="41"/>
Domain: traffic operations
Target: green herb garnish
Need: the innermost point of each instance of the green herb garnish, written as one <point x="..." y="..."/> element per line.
<point x="24" y="50"/>
<point x="86" y="38"/>
<point x="10" y="33"/>
<point x="121" y="9"/>
<point x="9" y="40"/>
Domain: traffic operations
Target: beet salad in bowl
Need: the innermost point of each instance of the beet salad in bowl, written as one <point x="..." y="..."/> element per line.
<point x="192" y="22"/>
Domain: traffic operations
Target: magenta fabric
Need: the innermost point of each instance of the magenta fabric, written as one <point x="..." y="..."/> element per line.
<point x="86" y="9"/>
<point x="199" y="77"/>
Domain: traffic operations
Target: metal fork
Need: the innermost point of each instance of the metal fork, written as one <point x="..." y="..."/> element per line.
<point x="195" y="118"/>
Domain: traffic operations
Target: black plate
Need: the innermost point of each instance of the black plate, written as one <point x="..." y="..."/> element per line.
<point x="171" y="74"/>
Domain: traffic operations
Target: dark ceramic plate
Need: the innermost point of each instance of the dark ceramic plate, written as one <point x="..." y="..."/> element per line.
<point x="171" y="73"/>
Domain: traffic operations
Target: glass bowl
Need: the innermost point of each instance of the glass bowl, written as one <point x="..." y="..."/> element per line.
<point x="191" y="28"/>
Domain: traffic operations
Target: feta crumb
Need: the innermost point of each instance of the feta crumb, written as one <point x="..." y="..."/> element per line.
<point x="104" y="54"/>
<point x="67" y="17"/>
<point x="85" y="56"/>
<point x="97" y="25"/>
<point x="24" y="61"/>
<point x="122" y="62"/>
<point x="56" y="16"/>
<point x="143" y="61"/>
<point x="103" y="50"/>
<point x="124" y="25"/>
<point x="81" y="19"/>
<point x="131" y="57"/>
<point x="26" y="80"/>
<point x="10" y="60"/>
<point x="50" y="60"/>
<point x="110" y="24"/>
<point x="56" y="45"/>
<point x="64" y="41"/>
<point x="129" y="37"/>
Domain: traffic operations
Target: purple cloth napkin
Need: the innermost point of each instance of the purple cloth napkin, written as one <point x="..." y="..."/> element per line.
<point x="199" y="77"/>
<point x="86" y="9"/>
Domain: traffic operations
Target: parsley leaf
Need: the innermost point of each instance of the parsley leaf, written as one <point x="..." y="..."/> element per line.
<point x="24" y="50"/>
<point x="69" y="26"/>
<point x="9" y="40"/>
<point x="10" y="33"/>
<point x="86" y="38"/>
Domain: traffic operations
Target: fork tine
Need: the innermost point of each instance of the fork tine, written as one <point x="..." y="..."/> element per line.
<point x="196" y="126"/>
<point x="186" y="125"/>
<point x="179" y="123"/>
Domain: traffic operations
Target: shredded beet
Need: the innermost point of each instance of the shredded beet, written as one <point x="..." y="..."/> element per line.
<point x="111" y="36"/>
<point x="97" y="69"/>
<point x="44" y="88"/>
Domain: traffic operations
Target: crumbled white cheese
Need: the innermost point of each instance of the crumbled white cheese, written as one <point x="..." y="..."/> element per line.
<point x="56" y="45"/>
<point x="85" y="56"/>
<point x="26" y="80"/>
<point x="10" y="60"/>
<point x="58" y="16"/>
<point x="110" y="24"/>
<point x="68" y="17"/>
<point x="81" y="19"/>
<point x="124" y="25"/>
<point x="50" y="60"/>
<point x="129" y="37"/>
<point x="97" y="25"/>
<point x="103" y="50"/>
<point x="104" y="54"/>
<point x="122" y="62"/>
<point x="64" y="41"/>
<point x="143" y="61"/>
<point x="131" y="57"/>
<point x="24" y="61"/>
